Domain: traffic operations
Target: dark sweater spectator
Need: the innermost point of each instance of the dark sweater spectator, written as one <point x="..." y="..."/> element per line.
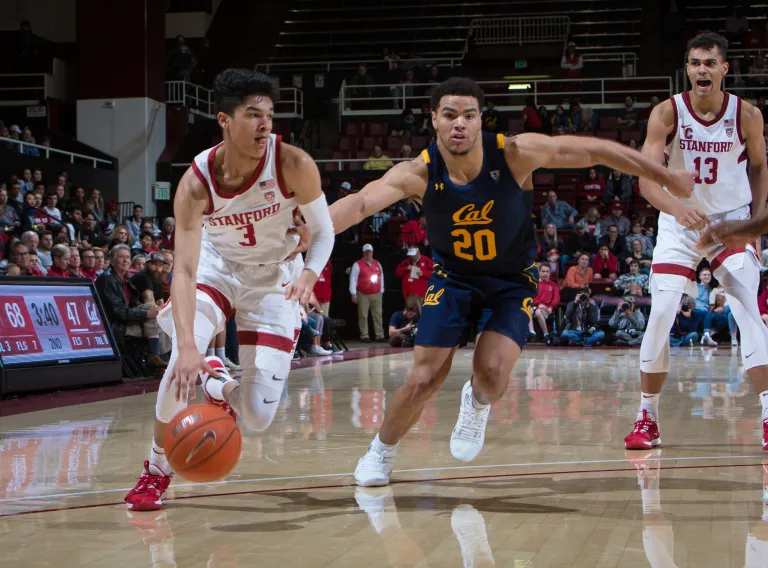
<point x="361" y="82"/>
<point x="151" y="277"/>
<point x="581" y="320"/>
<point x="546" y="121"/>
<point x="402" y="326"/>
<point x="630" y="116"/>
<point x="629" y="323"/>
<point x="561" y="122"/>
<point x="605" y="265"/>
<point x="618" y="187"/>
<point x="531" y="118"/>
<point x="592" y="187"/>
<point x="618" y="220"/>
<point x="685" y="329"/>
<point x="558" y="212"/>
<point x="491" y="118"/>
<point x="615" y="242"/>
<point x="637" y="254"/>
<point x="579" y="241"/>
<point x="15" y="200"/>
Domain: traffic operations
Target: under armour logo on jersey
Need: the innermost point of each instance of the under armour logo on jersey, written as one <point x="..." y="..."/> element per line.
<point x="495" y="175"/>
<point x="439" y="186"/>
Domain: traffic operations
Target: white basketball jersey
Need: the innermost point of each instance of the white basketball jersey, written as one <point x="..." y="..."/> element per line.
<point x="249" y="226"/>
<point x="716" y="150"/>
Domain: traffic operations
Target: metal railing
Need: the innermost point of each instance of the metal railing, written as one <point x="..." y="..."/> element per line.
<point x="350" y="64"/>
<point x="199" y="100"/>
<point x="47" y="152"/>
<point x="360" y="100"/>
<point x="29" y="88"/>
<point x="628" y="60"/>
<point x="529" y="29"/>
<point x="746" y="85"/>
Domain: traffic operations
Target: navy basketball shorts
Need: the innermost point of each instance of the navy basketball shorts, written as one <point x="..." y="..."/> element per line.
<point x="453" y="303"/>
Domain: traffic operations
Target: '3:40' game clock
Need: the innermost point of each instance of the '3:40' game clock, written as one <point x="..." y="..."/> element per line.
<point x="50" y="324"/>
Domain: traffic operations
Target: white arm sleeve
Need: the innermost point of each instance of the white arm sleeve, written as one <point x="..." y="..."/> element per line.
<point x="321" y="238"/>
<point x="353" y="277"/>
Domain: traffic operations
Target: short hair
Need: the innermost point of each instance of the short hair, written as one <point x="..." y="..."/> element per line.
<point x="708" y="40"/>
<point x="27" y="234"/>
<point x="117" y="248"/>
<point x="137" y="206"/>
<point x="60" y="250"/>
<point x="18" y="244"/>
<point x="613" y="227"/>
<point x="168" y="220"/>
<point x="457" y="86"/>
<point x="634" y="261"/>
<point x="412" y="307"/>
<point x="232" y="86"/>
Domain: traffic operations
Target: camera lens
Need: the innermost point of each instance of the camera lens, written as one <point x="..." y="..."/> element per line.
<point x="624" y="306"/>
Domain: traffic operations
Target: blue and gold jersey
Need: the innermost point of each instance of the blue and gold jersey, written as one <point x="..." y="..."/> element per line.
<point x="483" y="228"/>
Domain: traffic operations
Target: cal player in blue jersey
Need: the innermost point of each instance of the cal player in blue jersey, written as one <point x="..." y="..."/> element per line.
<point x="474" y="188"/>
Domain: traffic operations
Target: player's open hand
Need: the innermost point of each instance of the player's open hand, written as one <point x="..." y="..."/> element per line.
<point x="184" y="374"/>
<point x="690" y="218"/>
<point x="303" y="233"/>
<point x="681" y="185"/>
<point x="301" y="290"/>
<point x="733" y="234"/>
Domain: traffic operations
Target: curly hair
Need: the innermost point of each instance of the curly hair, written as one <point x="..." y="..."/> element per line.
<point x="232" y="86"/>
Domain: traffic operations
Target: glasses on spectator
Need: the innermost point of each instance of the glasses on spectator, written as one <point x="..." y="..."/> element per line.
<point x="88" y="256"/>
<point x="21" y="254"/>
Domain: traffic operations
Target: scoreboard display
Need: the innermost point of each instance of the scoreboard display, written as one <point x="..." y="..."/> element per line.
<point x="52" y="323"/>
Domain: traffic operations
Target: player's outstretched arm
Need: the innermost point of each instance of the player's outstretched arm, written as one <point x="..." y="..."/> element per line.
<point x="528" y="152"/>
<point x="190" y="203"/>
<point x="303" y="180"/>
<point x="406" y="179"/>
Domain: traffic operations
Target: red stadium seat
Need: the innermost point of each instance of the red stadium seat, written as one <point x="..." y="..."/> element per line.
<point x="542" y="180"/>
<point x="394" y="142"/>
<point x="568" y="178"/>
<point x="515" y="125"/>
<point x="369" y="142"/>
<point x="627" y="135"/>
<point x="347" y="143"/>
<point x="418" y="143"/>
<point x="378" y="129"/>
<point x="609" y="123"/>
<point x="362" y="154"/>
<point x="354" y="129"/>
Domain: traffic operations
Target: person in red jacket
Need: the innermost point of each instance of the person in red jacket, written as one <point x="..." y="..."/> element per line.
<point x="545" y="303"/>
<point x="322" y="289"/>
<point x="414" y="272"/>
<point x="605" y="265"/>
<point x="762" y="304"/>
<point x="366" y="286"/>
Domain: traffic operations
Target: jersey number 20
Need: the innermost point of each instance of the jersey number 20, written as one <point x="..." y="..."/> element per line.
<point x="484" y="244"/>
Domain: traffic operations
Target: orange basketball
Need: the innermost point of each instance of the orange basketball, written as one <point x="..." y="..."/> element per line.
<point x="202" y="443"/>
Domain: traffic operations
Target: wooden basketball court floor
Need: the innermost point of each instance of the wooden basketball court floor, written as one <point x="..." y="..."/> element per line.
<point x="553" y="486"/>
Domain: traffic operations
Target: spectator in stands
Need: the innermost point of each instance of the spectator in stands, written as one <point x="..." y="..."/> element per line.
<point x="605" y="264"/>
<point x="636" y="234"/>
<point x="34" y="265"/>
<point x="90" y="230"/>
<point x="756" y="36"/>
<point x="633" y="282"/>
<point x="552" y="248"/>
<point x="138" y="262"/>
<point x="638" y="255"/>
<point x="737" y="80"/>
<point x="98" y="260"/>
<point x="44" y="249"/>
<point x="758" y="68"/>
<point x="736" y="25"/>
<point x="629" y="323"/>
<point x="577" y="277"/>
<point x="592" y="187"/>
<point x="111" y="215"/>
<point x="572" y="64"/>
<point x="413" y="233"/>
<point x="618" y="187"/>
<point x="115" y="292"/>
<point x="701" y="311"/>
<point x="618" y="219"/>
<point x="167" y="269"/>
<point x="77" y="199"/>
<point x="546" y="121"/>
<point x="584" y="120"/>
<point x="592" y="224"/>
<point x="561" y="122"/>
<point x="531" y="119"/>
<point x="12" y="270"/>
<point x="26" y="136"/>
<point x="51" y="210"/>
<point x="98" y="204"/>
<point x="61" y="192"/>
<point x="26" y="182"/>
<point x="684" y="331"/>
<point x="366" y="286"/>
<point x="120" y="236"/>
<point x="491" y="118"/>
<point x="31" y="240"/>
<point x="323" y="289"/>
<point x="180" y="60"/>
<point x="545" y="303"/>
<point x="74" y="221"/>
<point x="15" y="200"/>
<point x="324" y="323"/>
<point x="61" y="235"/>
<point x="762" y="304"/>
<point x="134" y="223"/>
<point x="414" y="272"/>
<point x="581" y="321"/>
<point x="558" y="212"/>
<point x="9" y="220"/>
<point x="406" y="125"/>
<point x="88" y="264"/>
<point x="362" y="83"/>
<point x="60" y="268"/>
<point x="576" y="243"/>
<point x="20" y="257"/>
<point x="150" y="276"/>
<point x="26" y="44"/>
<point x="311" y="327"/>
<point x="73" y="266"/>
<point x="150" y="330"/>
<point x="378" y="161"/>
<point x="402" y="326"/>
<point x="616" y="244"/>
<point x="629" y="117"/>
<point x="406" y="152"/>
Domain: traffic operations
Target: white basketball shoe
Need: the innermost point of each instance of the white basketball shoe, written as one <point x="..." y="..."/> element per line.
<point x="374" y="467"/>
<point x="469" y="434"/>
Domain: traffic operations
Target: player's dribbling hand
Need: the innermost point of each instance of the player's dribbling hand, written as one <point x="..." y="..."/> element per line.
<point x="185" y="371"/>
<point x="733" y="234"/>
<point x="301" y="290"/>
<point x="690" y="218"/>
<point x="303" y="233"/>
<point x="681" y="185"/>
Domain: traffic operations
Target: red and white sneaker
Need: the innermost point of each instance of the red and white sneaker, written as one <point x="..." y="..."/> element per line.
<point x="224" y="376"/>
<point x="645" y="435"/>
<point x="149" y="491"/>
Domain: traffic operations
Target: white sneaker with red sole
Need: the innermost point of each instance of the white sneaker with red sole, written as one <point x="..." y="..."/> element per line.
<point x="224" y="376"/>
<point x="645" y="435"/>
<point x="149" y="491"/>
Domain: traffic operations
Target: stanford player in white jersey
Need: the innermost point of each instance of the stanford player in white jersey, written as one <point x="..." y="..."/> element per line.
<point x="721" y="137"/>
<point x="234" y="212"/>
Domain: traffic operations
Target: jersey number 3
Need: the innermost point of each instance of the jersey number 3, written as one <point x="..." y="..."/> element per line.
<point x="711" y="164"/>
<point x="249" y="236"/>
<point x="484" y="244"/>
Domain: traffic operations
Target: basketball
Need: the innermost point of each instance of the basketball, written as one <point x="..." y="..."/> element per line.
<point x="202" y="443"/>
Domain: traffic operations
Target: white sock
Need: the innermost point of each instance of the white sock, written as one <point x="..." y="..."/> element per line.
<point x="158" y="465"/>
<point x="649" y="403"/>
<point x="381" y="447"/>
<point x="477" y="404"/>
<point x="764" y="403"/>
<point x="215" y="387"/>
<point x="221" y="353"/>
<point x="211" y="352"/>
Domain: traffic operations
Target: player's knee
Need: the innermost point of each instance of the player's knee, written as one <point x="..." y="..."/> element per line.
<point x="259" y="417"/>
<point x="488" y="372"/>
<point x="423" y="383"/>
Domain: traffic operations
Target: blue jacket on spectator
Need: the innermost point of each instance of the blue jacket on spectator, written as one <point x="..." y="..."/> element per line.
<point x="702" y="300"/>
<point x="558" y="214"/>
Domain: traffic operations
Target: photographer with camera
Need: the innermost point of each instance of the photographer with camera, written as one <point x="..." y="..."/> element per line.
<point x="629" y="323"/>
<point x="403" y="326"/>
<point x="686" y="323"/>
<point x="581" y="321"/>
